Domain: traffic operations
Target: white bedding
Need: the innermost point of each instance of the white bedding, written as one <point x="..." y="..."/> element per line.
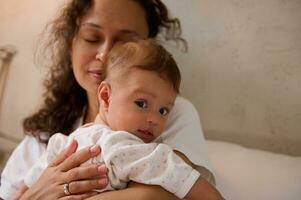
<point x="249" y="174"/>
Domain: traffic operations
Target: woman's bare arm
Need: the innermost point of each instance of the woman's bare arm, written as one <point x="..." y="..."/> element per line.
<point x="136" y="191"/>
<point x="204" y="187"/>
<point x="205" y="173"/>
<point x="149" y="192"/>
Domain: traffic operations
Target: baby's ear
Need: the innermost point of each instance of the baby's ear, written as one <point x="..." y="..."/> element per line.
<point x="104" y="92"/>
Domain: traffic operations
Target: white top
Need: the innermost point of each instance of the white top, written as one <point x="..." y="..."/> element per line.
<point x="127" y="158"/>
<point x="184" y="133"/>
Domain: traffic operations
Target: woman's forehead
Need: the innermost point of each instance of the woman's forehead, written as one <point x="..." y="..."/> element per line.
<point x="117" y="15"/>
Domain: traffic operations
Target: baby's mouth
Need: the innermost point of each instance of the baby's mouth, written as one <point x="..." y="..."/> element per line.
<point x="145" y="135"/>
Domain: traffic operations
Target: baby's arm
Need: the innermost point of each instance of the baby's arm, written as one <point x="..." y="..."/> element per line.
<point x="128" y="158"/>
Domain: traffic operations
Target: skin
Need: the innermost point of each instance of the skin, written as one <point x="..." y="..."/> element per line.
<point x="131" y="104"/>
<point x="120" y="95"/>
<point x="103" y="25"/>
<point x="63" y="169"/>
<point x="106" y="23"/>
<point x="201" y="190"/>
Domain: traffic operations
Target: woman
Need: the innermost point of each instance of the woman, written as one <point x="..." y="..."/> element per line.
<point x="80" y="39"/>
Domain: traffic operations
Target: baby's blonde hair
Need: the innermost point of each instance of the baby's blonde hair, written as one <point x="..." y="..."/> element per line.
<point x="146" y="55"/>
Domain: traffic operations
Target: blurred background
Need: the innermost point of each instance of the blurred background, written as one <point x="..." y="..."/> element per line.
<point x="242" y="70"/>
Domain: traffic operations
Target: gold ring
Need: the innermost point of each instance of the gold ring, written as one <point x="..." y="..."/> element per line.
<point x="66" y="189"/>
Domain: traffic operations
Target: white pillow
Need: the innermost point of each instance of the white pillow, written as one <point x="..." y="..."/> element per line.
<point x="249" y="174"/>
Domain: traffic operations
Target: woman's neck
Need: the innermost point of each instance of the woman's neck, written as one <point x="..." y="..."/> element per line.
<point x="92" y="109"/>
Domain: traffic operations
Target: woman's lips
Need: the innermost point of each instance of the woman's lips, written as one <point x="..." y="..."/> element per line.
<point x="145" y="135"/>
<point x="96" y="73"/>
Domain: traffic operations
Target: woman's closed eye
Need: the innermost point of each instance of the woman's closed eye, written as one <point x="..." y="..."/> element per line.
<point x="163" y="111"/>
<point x="92" y="39"/>
<point x="141" y="103"/>
<point x="90" y="34"/>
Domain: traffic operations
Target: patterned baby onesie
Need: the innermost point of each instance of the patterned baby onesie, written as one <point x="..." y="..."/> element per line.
<point x="127" y="158"/>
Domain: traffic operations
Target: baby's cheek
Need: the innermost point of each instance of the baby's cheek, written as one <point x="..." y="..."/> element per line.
<point x="160" y="130"/>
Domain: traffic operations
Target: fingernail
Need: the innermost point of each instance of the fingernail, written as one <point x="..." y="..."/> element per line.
<point x="94" y="150"/>
<point x="92" y="194"/>
<point x="102" y="169"/>
<point x="103" y="181"/>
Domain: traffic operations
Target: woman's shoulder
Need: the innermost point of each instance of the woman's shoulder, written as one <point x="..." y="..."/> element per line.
<point x="182" y="118"/>
<point x="182" y="102"/>
<point x="183" y="110"/>
<point x="184" y="132"/>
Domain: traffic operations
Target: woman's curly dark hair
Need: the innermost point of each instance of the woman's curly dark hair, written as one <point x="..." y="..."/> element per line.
<point x="64" y="99"/>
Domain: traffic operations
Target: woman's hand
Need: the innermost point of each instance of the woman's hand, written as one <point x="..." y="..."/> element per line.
<point x="66" y="169"/>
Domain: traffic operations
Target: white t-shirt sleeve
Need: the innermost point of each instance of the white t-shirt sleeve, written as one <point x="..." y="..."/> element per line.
<point x="184" y="133"/>
<point x="56" y="144"/>
<point x="21" y="160"/>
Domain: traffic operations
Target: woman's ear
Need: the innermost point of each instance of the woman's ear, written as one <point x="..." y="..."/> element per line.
<point x="103" y="94"/>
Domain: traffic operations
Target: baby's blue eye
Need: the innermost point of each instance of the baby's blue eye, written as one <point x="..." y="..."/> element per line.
<point x="163" y="111"/>
<point x="141" y="103"/>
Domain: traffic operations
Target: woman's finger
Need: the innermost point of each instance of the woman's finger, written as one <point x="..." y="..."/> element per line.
<point x="79" y="157"/>
<point x="65" y="153"/>
<point x="50" y="185"/>
<point x="79" y="187"/>
<point x="21" y="191"/>
<point x="85" y="172"/>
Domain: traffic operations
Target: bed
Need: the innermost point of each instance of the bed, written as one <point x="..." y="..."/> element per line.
<point x="249" y="174"/>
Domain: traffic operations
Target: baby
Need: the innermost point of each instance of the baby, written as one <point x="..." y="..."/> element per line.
<point x="140" y="86"/>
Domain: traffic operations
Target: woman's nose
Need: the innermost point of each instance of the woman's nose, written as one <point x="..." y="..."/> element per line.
<point x="103" y="51"/>
<point x="100" y="57"/>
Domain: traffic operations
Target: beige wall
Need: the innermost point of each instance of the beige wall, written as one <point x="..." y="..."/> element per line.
<point x="20" y="24"/>
<point x="242" y="72"/>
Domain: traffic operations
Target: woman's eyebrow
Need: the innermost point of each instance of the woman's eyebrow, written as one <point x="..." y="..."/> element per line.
<point x="125" y="31"/>
<point x="91" y="25"/>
